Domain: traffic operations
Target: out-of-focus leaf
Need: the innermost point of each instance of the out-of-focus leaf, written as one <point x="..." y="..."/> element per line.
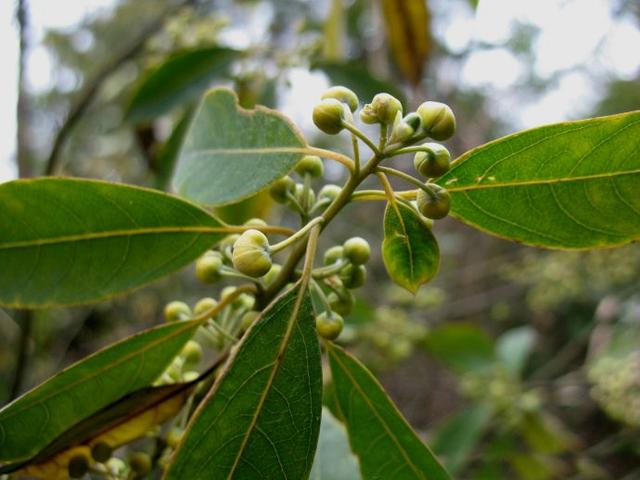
<point x="67" y="241"/>
<point x="513" y="348"/>
<point x="262" y="416"/>
<point x="166" y="159"/>
<point x="230" y="153"/>
<point x="409" y="250"/>
<point x="180" y="79"/>
<point x="571" y="185"/>
<point x="380" y="436"/>
<point x="359" y="79"/>
<point x="545" y="434"/>
<point x="456" y="440"/>
<point x="462" y="347"/>
<point x="34" y="420"/>
<point x="257" y="206"/>
<point x="334" y="460"/>
<point x="407" y="24"/>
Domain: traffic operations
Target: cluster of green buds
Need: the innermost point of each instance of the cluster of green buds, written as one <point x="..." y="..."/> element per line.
<point x="99" y="460"/>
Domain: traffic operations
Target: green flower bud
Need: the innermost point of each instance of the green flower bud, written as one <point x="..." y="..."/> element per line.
<point x="311" y="164"/>
<point x="329" y="325"/>
<point x="433" y="163"/>
<point x="140" y="463"/>
<point x="382" y="109"/>
<point x="437" y="120"/>
<point x="204" y="305"/>
<point x="342" y="94"/>
<point x="208" y="267"/>
<point x="281" y="188"/>
<point x="357" y="250"/>
<point x="249" y="318"/>
<point x="404" y="128"/>
<point x="353" y="276"/>
<point x="328" y="115"/>
<point x="191" y="353"/>
<point x="78" y="466"/>
<point x="333" y="254"/>
<point x="175" y="311"/>
<point x="329" y="192"/>
<point x="341" y="304"/>
<point x="251" y="254"/>
<point x="255" y="223"/>
<point x="174" y="436"/>
<point x="244" y="300"/>
<point x="101" y="452"/>
<point x="226" y="244"/>
<point x="435" y="204"/>
<point x="272" y="273"/>
<point x="300" y="196"/>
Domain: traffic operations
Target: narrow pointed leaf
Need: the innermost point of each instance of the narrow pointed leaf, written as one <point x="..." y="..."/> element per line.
<point x="66" y="241"/>
<point x="385" y="444"/>
<point x="262" y="416"/>
<point x="230" y="153"/>
<point x="31" y="422"/>
<point x="334" y="460"/>
<point x="181" y="78"/>
<point x="409" y="249"/>
<point x="568" y="185"/>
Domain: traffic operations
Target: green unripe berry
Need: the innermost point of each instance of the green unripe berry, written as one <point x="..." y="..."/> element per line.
<point x="175" y="311"/>
<point x="140" y="463"/>
<point x="333" y="255"/>
<point x="353" y="276"/>
<point x="329" y="325"/>
<point x="191" y="353"/>
<point x="433" y="163"/>
<point x="310" y="164"/>
<point x="208" y="267"/>
<point x="435" y="204"/>
<point x="328" y="115"/>
<point x="204" y="305"/>
<point x="249" y="318"/>
<point x="281" y="188"/>
<point x="438" y="120"/>
<point x="78" y="466"/>
<point x="101" y="452"/>
<point x="251" y="254"/>
<point x="255" y="223"/>
<point x="357" y="250"/>
<point x="341" y="304"/>
<point x="382" y="109"/>
<point x="174" y="436"/>
<point x="342" y="94"/>
<point x="329" y="192"/>
<point x="272" y="273"/>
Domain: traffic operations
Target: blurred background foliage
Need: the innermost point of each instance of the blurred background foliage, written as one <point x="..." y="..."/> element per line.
<point x="515" y="362"/>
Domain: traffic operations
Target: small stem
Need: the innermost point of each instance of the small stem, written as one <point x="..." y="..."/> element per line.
<point x="306" y="188"/>
<point x="373" y="195"/>
<point x="296" y="204"/>
<point x="296" y="236"/>
<point x="329" y="270"/>
<point x="356" y="154"/>
<point x="383" y="136"/>
<point x="358" y="133"/>
<point x="402" y="175"/>
<point x="400" y="151"/>
<point x="222" y="331"/>
<point x="323" y="297"/>
<point x="213" y="311"/>
<point x="338" y="157"/>
<point x="388" y="189"/>
<point x="312" y="246"/>
<point x="230" y="272"/>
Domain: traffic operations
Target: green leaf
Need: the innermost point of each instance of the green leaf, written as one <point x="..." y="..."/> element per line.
<point x="569" y="185"/>
<point x="409" y="250"/>
<point x="262" y="416"/>
<point x="382" y="439"/>
<point x="181" y="78"/>
<point x="462" y="347"/>
<point x="34" y="420"/>
<point x="231" y="153"/>
<point x="166" y="160"/>
<point x="68" y="241"/>
<point x="359" y="79"/>
<point x="334" y="460"/>
<point x="456" y="440"/>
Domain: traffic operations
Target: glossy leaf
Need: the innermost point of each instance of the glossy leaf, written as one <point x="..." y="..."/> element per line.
<point x="334" y="460"/>
<point x="231" y="153"/>
<point x="34" y="420"/>
<point x="262" y="416"/>
<point x="407" y="25"/>
<point x="569" y="185"/>
<point x="65" y="241"/>
<point x="409" y="250"/>
<point x="380" y="436"/>
<point x="359" y="79"/>
<point x="181" y="78"/>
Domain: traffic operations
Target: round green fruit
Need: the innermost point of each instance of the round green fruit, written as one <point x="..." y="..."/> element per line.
<point x="357" y="250"/>
<point x="434" y="204"/>
<point x="329" y="325"/>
